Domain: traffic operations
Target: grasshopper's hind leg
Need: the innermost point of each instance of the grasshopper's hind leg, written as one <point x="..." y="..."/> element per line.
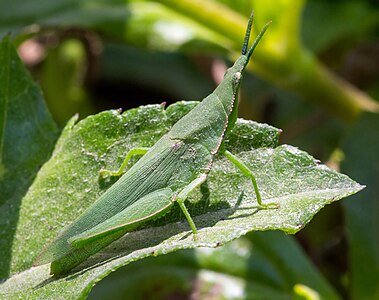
<point x="246" y="171"/>
<point x="134" y="151"/>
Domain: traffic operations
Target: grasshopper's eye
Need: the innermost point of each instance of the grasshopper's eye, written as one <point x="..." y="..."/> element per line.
<point x="236" y="79"/>
<point x="237" y="76"/>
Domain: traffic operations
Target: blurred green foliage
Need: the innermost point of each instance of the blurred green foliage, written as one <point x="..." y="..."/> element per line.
<point x="96" y="54"/>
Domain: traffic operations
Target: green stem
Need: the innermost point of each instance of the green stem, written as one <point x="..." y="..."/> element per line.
<point x="305" y="76"/>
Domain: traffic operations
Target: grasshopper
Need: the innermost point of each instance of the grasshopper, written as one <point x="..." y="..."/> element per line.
<point x="164" y="176"/>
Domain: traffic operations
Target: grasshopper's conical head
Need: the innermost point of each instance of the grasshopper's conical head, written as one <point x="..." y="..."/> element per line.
<point x="227" y="91"/>
<point x="233" y="75"/>
<point x="236" y="71"/>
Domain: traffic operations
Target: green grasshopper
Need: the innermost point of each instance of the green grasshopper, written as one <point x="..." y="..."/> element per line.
<point x="177" y="164"/>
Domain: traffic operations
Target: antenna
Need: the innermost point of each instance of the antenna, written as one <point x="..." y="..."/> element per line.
<point x="260" y="35"/>
<point x="247" y="34"/>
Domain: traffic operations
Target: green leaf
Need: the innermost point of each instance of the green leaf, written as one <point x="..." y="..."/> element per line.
<point x="361" y="147"/>
<point x="27" y="136"/>
<point x="178" y="76"/>
<point x="223" y="210"/>
<point x="362" y="16"/>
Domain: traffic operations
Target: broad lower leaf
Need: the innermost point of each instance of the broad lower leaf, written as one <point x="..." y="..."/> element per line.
<point x="223" y="209"/>
<point x="27" y="136"/>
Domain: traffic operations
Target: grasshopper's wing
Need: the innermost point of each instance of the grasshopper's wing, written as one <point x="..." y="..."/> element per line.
<point x="93" y="240"/>
<point x="151" y="206"/>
